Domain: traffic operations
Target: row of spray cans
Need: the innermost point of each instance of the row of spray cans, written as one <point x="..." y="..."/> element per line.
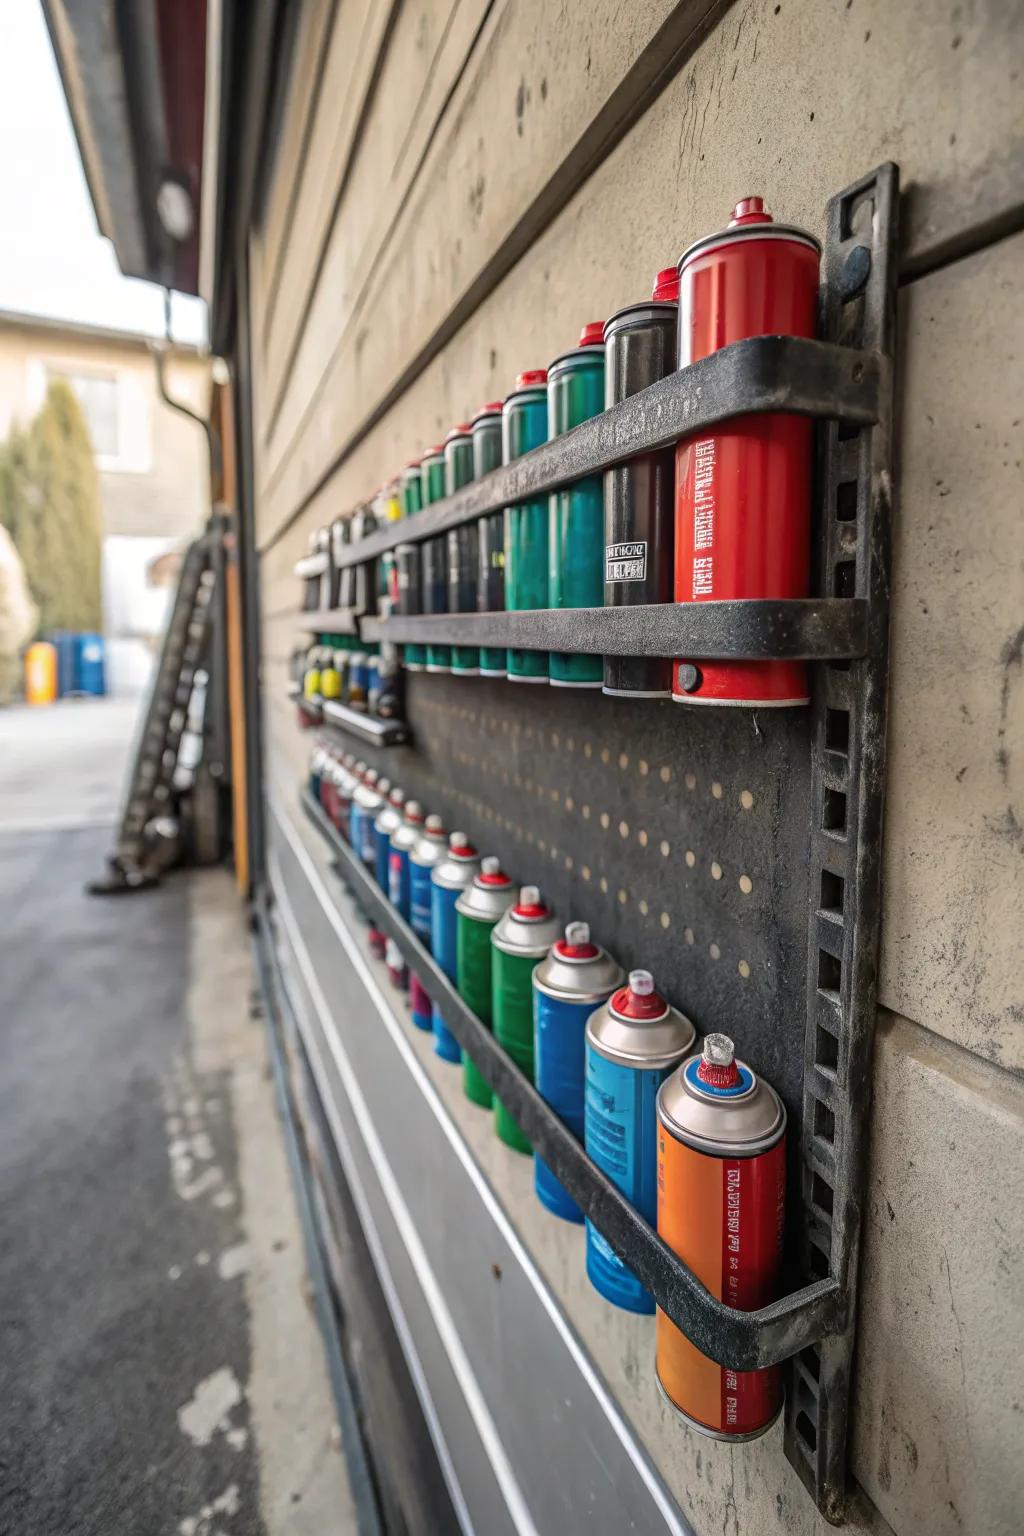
<point x="365" y="677"/>
<point x="723" y="516"/>
<point x="694" y="1139"/>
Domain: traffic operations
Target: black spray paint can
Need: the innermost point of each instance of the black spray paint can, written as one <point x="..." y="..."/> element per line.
<point x="490" y="589"/>
<point x="639" y="496"/>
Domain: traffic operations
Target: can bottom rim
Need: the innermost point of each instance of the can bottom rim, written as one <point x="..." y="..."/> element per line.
<point x="493" y="672"/>
<point x="436" y="669"/>
<point x="464" y="671"/>
<point x="638" y="693"/>
<point x="561" y="683"/>
<point x="695" y="698"/>
<point x="517" y="677"/>
<point x="414" y="666"/>
<point x="705" y="1429"/>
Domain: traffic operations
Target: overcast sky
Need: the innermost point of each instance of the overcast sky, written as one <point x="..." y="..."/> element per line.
<point x="53" y="260"/>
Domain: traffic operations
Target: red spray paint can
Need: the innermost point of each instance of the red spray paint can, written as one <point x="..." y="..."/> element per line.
<point x="743" y="492"/>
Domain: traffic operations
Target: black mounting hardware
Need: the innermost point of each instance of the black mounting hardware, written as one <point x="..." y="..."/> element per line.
<point x="847" y="747"/>
<point x="816" y="629"/>
<point x="330" y="621"/>
<point x="376" y="733"/>
<point x="764" y="373"/>
<point x="744" y="1341"/>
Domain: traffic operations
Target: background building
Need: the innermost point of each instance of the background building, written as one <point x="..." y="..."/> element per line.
<point x="151" y="461"/>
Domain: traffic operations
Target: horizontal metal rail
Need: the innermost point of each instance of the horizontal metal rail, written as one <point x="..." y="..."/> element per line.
<point x="812" y="629"/>
<point x="376" y="733"/>
<point x="330" y="621"/>
<point x="741" y="1341"/>
<point x="761" y="374"/>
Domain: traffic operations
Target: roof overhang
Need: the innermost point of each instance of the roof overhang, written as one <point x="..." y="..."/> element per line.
<point x="135" y="78"/>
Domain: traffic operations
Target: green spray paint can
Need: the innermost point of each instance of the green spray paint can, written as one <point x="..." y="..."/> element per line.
<point x="576" y="515"/>
<point x="524" y="425"/>
<point x="477" y="910"/>
<point x="490" y="587"/>
<point x="408" y="556"/>
<point x="462" y="544"/>
<point x="434" y="556"/>
<point x="519" y="942"/>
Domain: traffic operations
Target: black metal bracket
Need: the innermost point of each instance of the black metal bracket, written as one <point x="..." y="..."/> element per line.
<point x="813" y="629"/>
<point x="743" y="1341"/>
<point x="848" y="727"/>
<point x="762" y="374"/>
<point x="367" y="728"/>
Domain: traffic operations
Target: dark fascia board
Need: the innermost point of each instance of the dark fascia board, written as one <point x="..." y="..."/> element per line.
<point x="107" y="55"/>
<point x="86" y="46"/>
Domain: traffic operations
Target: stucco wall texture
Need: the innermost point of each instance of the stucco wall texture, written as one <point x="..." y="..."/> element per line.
<point x="450" y="200"/>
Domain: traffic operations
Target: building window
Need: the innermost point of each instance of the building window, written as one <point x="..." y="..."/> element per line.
<point x="97" y="394"/>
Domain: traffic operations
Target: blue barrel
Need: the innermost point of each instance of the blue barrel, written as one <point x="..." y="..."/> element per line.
<point x="66" y="646"/>
<point x="90" y="669"/>
<point x="568" y="985"/>
<point x="402" y="841"/>
<point x="427" y="852"/>
<point x="389" y="820"/>
<point x="448" y="880"/>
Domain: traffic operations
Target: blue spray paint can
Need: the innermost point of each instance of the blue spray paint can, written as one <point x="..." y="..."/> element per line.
<point x="352" y="828"/>
<point x="402" y="840"/>
<point x="568" y="985"/>
<point x="317" y="763"/>
<point x="633" y="1043"/>
<point x="368" y="801"/>
<point x="427" y="851"/>
<point x="448" y="879"/>
<point x="388" y="820"/>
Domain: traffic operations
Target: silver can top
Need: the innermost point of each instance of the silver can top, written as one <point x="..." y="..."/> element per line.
<point x="637" y="1027"/>
<point x="717" y="1104"/>
<point x="406" y="836"/>
<point x="430" y="847"/>
<point x="577" y="970"/>
<point x="528" y="928"/>
<point x="491" y="892"/>
<point x="460" y="865"/>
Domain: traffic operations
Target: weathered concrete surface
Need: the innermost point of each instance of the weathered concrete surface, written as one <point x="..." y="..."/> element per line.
<point x="939" y="1385"/>
<point x="954" y="836"/>
<point x="64" y="765"/>
<point x="162" y="1369"/>
<point x="792" y="100"/>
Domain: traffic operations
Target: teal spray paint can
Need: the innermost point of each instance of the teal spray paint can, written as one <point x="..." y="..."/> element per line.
<point x="576" y="512"/>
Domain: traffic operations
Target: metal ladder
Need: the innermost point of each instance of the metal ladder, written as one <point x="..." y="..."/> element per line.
<point x="150" y="787"/>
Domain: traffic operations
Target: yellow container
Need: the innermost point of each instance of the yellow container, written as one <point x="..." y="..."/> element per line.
<point x="41" y="673"/>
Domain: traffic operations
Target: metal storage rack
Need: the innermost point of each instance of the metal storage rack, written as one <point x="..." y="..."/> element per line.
<point x="752" y="840"/>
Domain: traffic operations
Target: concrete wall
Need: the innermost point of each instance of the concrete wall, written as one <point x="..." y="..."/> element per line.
<point x="457" y="188"/>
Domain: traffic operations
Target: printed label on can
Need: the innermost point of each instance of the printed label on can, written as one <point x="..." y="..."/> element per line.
<point x="704" y="494"/>
<point x="395" y="879"/>
<point x="626" y="562"/>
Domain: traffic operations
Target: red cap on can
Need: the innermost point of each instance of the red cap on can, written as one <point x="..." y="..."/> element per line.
<point x="414" y="812"/>
<point x="460" y="847"/>
<point x="462" y="430"/>
<point x="491" y="872"/>
<point x="592" y="334"/>
<point x="492" y="408"/>
<point x="717" y="1065"/>
<point x="639" y="999"/>
<point x="666" y="285"/>
<point x="576" y="945"/>
<point x="530" y="903"/>
<point x="749" y="210"/>
<point x="397" y="796"/>
<point x="412" y="463"/>
<point x="531" y="378"/>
